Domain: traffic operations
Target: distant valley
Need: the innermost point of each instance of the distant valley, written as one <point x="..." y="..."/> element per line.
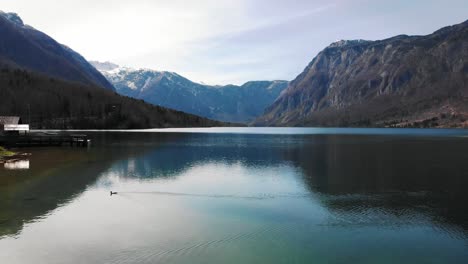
<point x="228" y="103"/>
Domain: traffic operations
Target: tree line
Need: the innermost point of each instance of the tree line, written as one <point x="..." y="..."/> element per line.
<point x="47" y="102"/>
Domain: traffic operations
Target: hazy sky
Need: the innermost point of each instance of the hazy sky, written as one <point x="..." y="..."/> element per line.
<point x="222" y="41"/>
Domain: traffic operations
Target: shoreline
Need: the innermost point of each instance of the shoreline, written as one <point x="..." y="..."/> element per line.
<point x="282" y="131"/>
<point x="7" y="155"/>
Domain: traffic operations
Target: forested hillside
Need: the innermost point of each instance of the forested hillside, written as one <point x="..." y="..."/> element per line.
<point x="48" y="102"/>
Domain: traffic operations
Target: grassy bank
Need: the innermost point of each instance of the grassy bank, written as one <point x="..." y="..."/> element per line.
<point x="4" y="153"/>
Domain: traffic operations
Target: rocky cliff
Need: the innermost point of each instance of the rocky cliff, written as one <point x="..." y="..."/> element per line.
<point x="404" y="81"/>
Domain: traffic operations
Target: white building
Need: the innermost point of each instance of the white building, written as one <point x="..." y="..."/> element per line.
<point x="12" y="125"/>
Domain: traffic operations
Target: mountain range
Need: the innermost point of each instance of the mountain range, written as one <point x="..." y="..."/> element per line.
<point x="51" y="86"/>
<point x="403" y="81"/>
<point x="228" y="103"/>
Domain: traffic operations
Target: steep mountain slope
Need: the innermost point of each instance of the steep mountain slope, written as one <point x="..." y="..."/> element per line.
<point x="404" y="81"/>
<point x="24" y="47"/>
<point x="226" y="103"/>
<point x="51" y="86"/>
<point x="46" y="102"/>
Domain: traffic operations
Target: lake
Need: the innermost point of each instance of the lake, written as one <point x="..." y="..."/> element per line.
<point x="241" y="195"/>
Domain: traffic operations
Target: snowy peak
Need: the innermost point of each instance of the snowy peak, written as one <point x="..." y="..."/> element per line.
<point x="140" y="79"/>
<point x="104" y="66"/>
<point x="110" y="68"/>
<point x="169" y="89"/>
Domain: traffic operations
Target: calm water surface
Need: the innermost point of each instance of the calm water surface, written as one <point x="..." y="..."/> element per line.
<point x="241" y="196"/>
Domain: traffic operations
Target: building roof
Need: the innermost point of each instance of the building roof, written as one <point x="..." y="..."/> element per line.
<point x="9" y="120"/>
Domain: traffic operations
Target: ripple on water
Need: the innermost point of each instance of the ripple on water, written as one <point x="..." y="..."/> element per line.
<point x="273" y="234"/>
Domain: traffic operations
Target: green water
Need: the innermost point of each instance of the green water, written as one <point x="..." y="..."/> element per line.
<point x="241" y="196"/>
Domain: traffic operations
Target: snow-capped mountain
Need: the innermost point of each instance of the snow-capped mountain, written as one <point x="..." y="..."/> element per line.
<point x="226" y="103"/>
<point x="54" y="87"/>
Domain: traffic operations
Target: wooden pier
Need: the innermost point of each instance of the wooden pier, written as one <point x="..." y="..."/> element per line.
<point x="44" y="139"/>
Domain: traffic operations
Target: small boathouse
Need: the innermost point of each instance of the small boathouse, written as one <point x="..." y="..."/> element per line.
<point x="14" y="133"/>
<point x="13" y="125"/>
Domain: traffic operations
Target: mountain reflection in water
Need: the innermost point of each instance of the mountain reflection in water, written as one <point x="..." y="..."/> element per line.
<point x="298" y="197"/>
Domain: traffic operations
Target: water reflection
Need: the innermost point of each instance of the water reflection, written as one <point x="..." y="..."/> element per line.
<point x="394" y="176"/>
<point x="58" y="175"/>
<point x="16" y="165"/>
<point x="401" y="178"/>
<point x="433" y="168"/>
<point x="185" y="198"/>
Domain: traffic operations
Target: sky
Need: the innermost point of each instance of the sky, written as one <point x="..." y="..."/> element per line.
<point x="227" y="41"/>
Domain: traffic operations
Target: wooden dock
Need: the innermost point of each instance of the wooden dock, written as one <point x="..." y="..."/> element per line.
<point x="44" y="139"/>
